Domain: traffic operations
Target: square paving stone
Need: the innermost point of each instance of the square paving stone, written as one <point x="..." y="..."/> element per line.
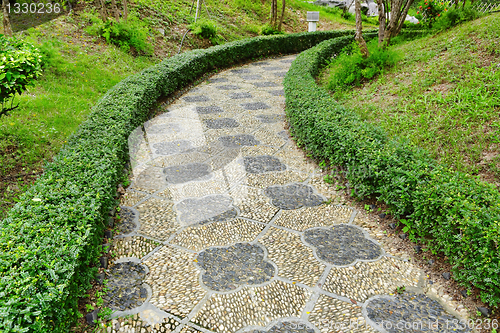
<point x="200" y="98"/>
<point x="209" y="109"/>
<point x="264" y="84"/>
<point x="255" y="106"/>
<point x="240" y="95"/>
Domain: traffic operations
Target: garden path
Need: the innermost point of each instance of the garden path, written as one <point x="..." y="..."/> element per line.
<point x="227" y="227"/>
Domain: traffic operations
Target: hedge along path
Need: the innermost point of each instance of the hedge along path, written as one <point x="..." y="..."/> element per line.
<point x="227" y="228"/>
<point x="450" y="212"/>
<point x="51" y="239"/>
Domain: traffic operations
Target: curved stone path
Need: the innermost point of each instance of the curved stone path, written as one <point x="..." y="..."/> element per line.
<point x="227" y="228"/>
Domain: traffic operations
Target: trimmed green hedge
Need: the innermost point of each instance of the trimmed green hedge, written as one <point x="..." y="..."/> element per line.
<point x="451" y="212"/>
<point x="50" y="240"/>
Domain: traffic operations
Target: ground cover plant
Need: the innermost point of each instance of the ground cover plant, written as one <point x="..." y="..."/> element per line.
<point x="444" y="96"/>
<point x="80" y="65"/>
<point x="448" y="211"/>
<point x="350" y="68"/>
<point x="76" y="73"/>
<point x="49" y="242"/>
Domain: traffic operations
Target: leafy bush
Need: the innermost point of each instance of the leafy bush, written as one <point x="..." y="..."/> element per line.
<point x="430" y="10"/>
<point x="455" y="16"/>
<point x="204" y="28"/>
<point x="50" y="241"/>
<point x="350" y="68"/>
<point x="268" y="29"/>
<point x="451" y="212"/>
<point x="129" y="35"/>
<point x="348" y="16"/>
<point x="20" y="64"/>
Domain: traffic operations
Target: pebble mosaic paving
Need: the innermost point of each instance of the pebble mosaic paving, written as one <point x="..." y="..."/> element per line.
<point x="228" y="227"/>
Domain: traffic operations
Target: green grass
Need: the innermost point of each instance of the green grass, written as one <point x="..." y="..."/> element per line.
<point x="444" y="95"/>
<point x="50" y="111"/>
<point x="82" y="68"/>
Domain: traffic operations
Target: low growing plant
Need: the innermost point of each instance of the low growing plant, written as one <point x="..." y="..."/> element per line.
<point x="449" y="212"/>
<point x="204" y="28"/>
<point x="268" y="29"/>
<point x="130" y="36"/>
<point x="20" y="65"/>
<point x="349" y="68"/>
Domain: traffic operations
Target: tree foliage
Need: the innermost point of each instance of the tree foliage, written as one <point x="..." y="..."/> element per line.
<point x="20" y="64"/>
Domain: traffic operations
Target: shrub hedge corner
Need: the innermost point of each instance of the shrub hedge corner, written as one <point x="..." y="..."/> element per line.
<point x="451" y="212"/>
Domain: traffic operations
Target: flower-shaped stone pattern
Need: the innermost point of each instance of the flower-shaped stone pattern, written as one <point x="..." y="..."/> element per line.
<point x="184" y="173"/>
<point x="212" y="208"/>
<point x="261" y="164"/>
<point x="229" y="267"/>
<point x="293" y="196"/>
<point x="127" y="217"/>
<point x="125" y="286"/>
<point x="236" y="141"/>
<point x="417" y="311"/>
<point x="173" y="147"/>
<point x="341" y="245"/>
<point x="287" y="327"/>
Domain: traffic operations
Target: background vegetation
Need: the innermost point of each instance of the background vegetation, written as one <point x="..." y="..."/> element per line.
<point x="443" y="95"/>
<point x="83" y="58"/>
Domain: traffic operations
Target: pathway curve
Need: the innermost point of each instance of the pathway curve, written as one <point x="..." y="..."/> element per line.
<point x="227" y="228"/>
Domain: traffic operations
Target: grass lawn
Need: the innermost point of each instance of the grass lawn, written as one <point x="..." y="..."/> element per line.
<point x="81" y="68"/>
<point x="81" y="72"/>
<point x="444" y="95"/>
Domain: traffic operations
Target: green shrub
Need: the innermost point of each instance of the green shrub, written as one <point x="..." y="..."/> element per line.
<point x="455" y="16"/>
<point x="268" y="29"/>
<point x="348" y="16"/>
<point x="350" y="68"/>
<point x="204" y="28"/>
<point x="451" y="212"/>
<point x="50" y="240"/>
<point x="20" y="64"/>
<point x="430" y="10"/>
<point x="129" y="35"/>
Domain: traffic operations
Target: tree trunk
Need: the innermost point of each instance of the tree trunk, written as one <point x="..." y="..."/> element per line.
<point x="403" y="17"/>
<point x="103" y="11"/>
<point x="115" y="10"/>
<point x="398" y="16"/>
<point x="381" y="22"/>
<point x="282" y="16"/>
<point x="7" y="28"/>
<point x="359" y="33"/>
<point x="275" y="13"/>
<point x="125" y="10"/>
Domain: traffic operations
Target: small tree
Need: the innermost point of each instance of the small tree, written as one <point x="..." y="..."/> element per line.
<point x="7" y="28"/>
<point x="282" y="15"/>
<point x="359" y="31"/>
<point x="390" y="24"/>
<point x="275" y="24"/>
